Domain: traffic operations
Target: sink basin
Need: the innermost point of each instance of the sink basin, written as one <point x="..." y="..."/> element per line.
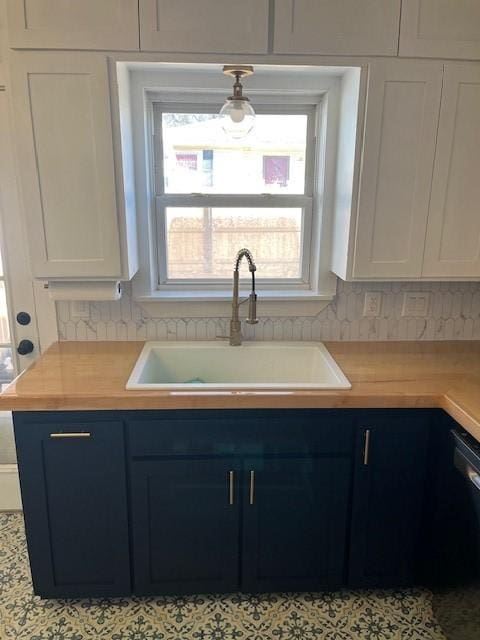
<point x="203" y="366"/>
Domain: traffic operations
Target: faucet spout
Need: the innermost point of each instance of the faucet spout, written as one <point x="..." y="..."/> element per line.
<point x="235" y="324"/>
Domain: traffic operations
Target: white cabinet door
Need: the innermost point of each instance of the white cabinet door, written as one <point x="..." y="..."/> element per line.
<point x="398" y="155"/>
<point x="63" y="24"/>
<point x="211" y="26"/>
<point x="61" y="106"/>
<point x="453" y="234"/>
<point x="440" y="29"/>
<point x="343" y="27"/>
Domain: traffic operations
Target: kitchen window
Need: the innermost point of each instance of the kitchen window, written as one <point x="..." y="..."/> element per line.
<point x="215" y="195"/>
<point x="201" y="195"/>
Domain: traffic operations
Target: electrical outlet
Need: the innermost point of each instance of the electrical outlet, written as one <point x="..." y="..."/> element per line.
<point x="79" y="310"/>
<point x="415" y="304"/>
<point x="372" y="304"/>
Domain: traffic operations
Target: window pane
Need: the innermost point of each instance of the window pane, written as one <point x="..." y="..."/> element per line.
<point x="200" y="158"/>
<point x="202" y="242"/>
<point x="6" y="367"/>
<point x="4" y="329"/>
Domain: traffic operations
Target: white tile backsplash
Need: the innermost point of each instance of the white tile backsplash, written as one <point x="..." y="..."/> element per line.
<point x="454" y="314"/>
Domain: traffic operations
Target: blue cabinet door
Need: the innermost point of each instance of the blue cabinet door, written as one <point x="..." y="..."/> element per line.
<point x="388" y="498"/>
<point x="295" y="521"/>
<point x="185" y="519"/>
<point x="73" y="483"/>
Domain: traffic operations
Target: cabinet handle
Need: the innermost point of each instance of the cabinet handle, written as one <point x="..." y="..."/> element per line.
<point x="366" y="447"/>
<point x="252" y="487"/>
<point x="292" y="16"/>
<point x="71" y="434"/>
<point x="231" y="478"/>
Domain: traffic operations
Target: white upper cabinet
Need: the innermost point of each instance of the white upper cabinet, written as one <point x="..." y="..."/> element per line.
<point x="67" y="24"/>
<point x="63" y="131"/>
<point x="440" y="29"/>
<point x="210" y="26"/>
<point x="379" y="228"/>
<point x="341" y="27"/>
<point x="453" y="235"/>
<point x="398" y="155"/>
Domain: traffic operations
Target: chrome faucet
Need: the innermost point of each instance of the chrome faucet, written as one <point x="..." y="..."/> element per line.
<point x="235" y="323"/>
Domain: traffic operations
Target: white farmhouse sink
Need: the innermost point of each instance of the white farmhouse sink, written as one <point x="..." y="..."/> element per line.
<point x="202" y="366"/>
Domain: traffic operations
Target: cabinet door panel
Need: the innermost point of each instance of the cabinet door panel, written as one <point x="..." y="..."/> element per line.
<point x="63" y="24"/>
<point x="440" y="29"/>
<point x="64" y="137"/>
<point x="453" y="233"/>
<point x="185" y="528"/>
<point x="387" y="499"/>
<point x="74" y="499"/>
<point x="215" y="26"/>
<point x="398" y="156"/>
<point x="349" y="27"/>
<point x="295" y="520"/>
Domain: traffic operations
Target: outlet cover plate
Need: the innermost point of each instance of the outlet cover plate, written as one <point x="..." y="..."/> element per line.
<point x="415" y="304"/>
<point x="373" y="304"/>
<point x="79" y="310"/>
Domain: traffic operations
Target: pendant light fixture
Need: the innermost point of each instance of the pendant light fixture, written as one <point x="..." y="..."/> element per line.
<point x="238" y="116"/>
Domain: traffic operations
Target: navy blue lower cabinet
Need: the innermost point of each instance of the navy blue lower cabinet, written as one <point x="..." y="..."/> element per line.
<point x="295" y="514"/>
<point x="73" y="483"/>
<point x="222" y="501"/>
<point x="388" y="498"/>
<point x="185" y="525"/>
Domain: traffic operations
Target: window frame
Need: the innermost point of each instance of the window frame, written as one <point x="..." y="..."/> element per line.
<point x="162" y="200"/>
<point x="338" y="90"/>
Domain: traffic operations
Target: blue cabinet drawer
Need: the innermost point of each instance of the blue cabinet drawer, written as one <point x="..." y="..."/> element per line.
<point x="250" y="433"/>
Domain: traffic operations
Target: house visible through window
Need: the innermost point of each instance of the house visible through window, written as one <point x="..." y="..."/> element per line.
<point x="276" y="170"/>
<point x="187" y="160"/>
<point x="215" y="195"/>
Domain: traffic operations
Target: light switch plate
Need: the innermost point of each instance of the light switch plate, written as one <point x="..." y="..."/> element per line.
<point x="79" y="310"/>
<point x="373" y="304"/>
<point x="415" y="304"/>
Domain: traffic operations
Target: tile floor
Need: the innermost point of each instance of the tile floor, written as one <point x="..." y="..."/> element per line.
<point x="369" y="615"/>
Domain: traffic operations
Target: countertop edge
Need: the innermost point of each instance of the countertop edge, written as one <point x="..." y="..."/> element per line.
<point x="91" y="376"/>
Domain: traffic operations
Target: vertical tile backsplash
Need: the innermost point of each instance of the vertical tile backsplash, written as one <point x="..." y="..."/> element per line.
<point x="453" y="314"/>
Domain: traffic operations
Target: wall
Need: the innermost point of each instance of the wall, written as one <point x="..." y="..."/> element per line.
<point x="454" y="313"/>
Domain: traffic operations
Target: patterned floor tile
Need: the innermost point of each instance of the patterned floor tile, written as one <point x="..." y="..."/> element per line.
<point x="343" y="615"/>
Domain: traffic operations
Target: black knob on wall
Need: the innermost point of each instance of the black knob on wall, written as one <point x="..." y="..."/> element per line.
<point x="23" y="318"/>
<point x="25" y="347"/>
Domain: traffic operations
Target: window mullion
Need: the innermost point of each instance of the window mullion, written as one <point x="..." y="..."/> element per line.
<point x="233" y="201"/>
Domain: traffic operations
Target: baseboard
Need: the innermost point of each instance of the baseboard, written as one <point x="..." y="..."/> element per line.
<point x="10" y="499"/>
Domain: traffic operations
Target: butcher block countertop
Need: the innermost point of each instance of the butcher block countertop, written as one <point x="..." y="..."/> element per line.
<point x="92" y="375"/>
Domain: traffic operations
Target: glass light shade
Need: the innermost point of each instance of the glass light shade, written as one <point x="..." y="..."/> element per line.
<point x="238" y="118"/>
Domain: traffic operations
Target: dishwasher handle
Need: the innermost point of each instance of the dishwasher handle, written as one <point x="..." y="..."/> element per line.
<point x="466" y="469"/>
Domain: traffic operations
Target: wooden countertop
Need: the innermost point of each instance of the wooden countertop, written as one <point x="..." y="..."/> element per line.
<point x="92" y="375"/>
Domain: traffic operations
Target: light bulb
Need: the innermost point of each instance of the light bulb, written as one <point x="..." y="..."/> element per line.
<point x="238" y="118"/>
<point x="237" y="113"/>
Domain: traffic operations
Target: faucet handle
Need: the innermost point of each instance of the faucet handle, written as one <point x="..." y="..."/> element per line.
<point x="252" y="309"/>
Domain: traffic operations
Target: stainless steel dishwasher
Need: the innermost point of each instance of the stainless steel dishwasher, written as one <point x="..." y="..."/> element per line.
<point x="457" y="608"/>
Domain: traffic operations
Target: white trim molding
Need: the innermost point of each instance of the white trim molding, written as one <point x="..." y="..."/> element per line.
<point x="10" y="498"/>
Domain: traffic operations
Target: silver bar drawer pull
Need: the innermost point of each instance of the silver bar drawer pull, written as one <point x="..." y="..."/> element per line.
<point x="473" y="476"/>
<point x="231" y="478"/>
<point x="252" y="487"/>
<point x="366" y="447"/>
<point x="71" y="434"/>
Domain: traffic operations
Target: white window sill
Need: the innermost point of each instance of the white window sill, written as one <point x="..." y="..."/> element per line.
<point x="218" y="304"/>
